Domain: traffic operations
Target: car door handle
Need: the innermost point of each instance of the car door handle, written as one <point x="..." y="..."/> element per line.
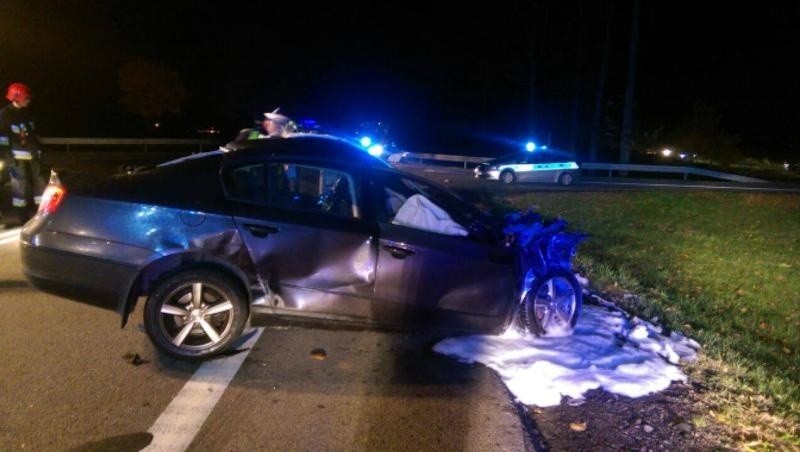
<point x="260" y="230"/>
<point x="398" y="252"/>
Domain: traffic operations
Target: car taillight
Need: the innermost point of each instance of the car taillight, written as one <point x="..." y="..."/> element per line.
<point x="51" y="198"/>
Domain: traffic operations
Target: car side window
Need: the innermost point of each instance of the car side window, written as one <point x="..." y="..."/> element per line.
<point x="248" y="182"/>
<point x="294" y="186"/>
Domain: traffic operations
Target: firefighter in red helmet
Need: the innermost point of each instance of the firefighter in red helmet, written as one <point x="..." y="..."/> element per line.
<point x="19" y="148"/>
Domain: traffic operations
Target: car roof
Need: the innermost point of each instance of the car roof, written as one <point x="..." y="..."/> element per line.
<point x="326" y="147"/>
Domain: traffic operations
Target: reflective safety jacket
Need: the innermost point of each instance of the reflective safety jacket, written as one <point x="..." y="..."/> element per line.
<point x="17" y="134"/>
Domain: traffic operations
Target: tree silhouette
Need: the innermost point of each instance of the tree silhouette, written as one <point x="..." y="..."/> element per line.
<point x="151" y="89"/>
<point x="600" y="92"/>
<point x="702" y="133"/>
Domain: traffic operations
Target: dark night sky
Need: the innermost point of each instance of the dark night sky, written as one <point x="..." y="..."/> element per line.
<point x="446" y="78"/>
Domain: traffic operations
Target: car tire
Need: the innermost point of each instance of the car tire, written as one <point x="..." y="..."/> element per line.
<point x="565" y="179"/>
<point x="195" y="314"/>
<point x="508" y="177"/>
<point x="552" y="305"/>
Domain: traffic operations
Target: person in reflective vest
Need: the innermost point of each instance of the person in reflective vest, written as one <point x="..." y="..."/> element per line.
<point x="19" y="148"/>
<point x="273" y="125"/>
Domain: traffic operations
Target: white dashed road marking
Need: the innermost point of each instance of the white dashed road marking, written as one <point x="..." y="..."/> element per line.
<point x="177" y="426"/>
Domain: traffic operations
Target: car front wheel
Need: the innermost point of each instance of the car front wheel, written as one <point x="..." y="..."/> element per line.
<point x="507" y="177"/>
<point x="195" y="314"/>
<point x="552" y="305"/>
<point x="565" y="179"/>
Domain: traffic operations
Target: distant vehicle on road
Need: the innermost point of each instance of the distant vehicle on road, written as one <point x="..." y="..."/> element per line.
<point x="307" y="227"/>
<point x="537" y="166"/>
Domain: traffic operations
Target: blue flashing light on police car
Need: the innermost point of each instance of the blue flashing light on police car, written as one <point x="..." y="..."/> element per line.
<point x="376" y="150"/>
<point x="530" y="146"/>
<point x="365" y="141"/>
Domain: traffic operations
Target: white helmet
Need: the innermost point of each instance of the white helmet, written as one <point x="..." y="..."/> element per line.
<point x="278" y="118"/>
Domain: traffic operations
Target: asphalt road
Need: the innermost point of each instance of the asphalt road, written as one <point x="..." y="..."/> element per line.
<point x="73" y="380"/>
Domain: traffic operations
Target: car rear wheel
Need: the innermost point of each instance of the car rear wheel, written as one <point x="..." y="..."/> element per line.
<point x="507" y="177"/>
<point x="565" y="179"/>
<point x="552" y="306"/>
<point x="195" y="314"/>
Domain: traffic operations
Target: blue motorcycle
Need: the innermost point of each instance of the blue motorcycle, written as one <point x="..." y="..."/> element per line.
<point x="551" y="297"/>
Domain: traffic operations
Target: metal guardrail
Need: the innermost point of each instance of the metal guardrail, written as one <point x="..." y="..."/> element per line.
<point x="685" y="170"/>
<point x="202" y="144"/>
<point x="610" y="167"/>
<point x="421" y="157"/>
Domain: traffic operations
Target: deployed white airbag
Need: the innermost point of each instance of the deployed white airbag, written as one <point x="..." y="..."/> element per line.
<point x="419" y="212"/>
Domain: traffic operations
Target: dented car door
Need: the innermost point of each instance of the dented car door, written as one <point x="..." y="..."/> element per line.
<point x="306" y="235"/>
<point x="436" y="278"/>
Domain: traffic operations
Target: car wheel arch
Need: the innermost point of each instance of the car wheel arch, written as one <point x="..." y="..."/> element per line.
<point x="508" y="171"/>
<point x="161" y="269"/>
<point x="565" y="178"/>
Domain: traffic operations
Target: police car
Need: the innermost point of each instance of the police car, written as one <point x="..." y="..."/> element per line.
<point x="537" y="166"/>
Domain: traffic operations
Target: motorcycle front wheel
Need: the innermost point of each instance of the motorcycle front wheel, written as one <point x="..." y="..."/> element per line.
<point x="552" y="305"/>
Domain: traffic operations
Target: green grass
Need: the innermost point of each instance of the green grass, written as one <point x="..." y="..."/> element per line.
<point x="723" y="268"/>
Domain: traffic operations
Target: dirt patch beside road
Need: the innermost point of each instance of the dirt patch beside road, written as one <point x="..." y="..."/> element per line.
<point x="668" y="420"/>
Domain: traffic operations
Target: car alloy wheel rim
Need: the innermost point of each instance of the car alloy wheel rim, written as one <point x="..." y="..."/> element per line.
<point x="508" y="178"/>
<point x="555" y="303"/>
<point x="196" y="316"/>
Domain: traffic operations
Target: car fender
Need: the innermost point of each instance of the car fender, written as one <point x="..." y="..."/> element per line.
<point x="238" y="267"/>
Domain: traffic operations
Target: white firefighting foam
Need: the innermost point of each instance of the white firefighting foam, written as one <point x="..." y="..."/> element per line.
<point x="606" y="350"/>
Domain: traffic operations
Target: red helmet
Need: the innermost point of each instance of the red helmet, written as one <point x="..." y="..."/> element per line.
<point x="17" y="92"/>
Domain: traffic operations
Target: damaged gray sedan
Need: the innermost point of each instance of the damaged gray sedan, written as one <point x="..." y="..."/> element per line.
<point x="308" y="227"/>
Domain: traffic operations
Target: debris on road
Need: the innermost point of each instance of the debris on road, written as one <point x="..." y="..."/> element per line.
<point x="319" y="354"/>
<point x="134" y="358"/>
